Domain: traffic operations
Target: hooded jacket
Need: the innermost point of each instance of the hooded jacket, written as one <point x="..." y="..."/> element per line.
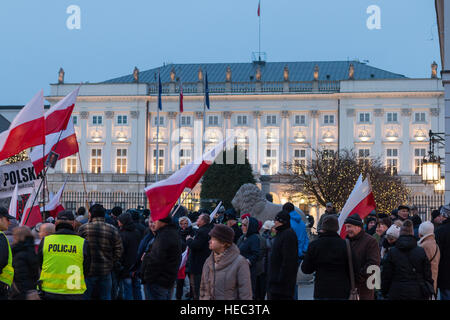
<point x="428" y="243"/>
<point x="249" y="244"/>
<point x="228" y="279"/>
<point x="130" y="240"/>
<point x="398" y="280"/>
<point x="299" y="227"/>
<point x="26" y="268"/>
<point x="199" y="249"/>
<point x="443" y="240"/>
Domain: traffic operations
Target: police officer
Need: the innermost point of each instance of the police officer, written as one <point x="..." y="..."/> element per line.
<point x="63" y="257"/>
<point x="6" y="268"/>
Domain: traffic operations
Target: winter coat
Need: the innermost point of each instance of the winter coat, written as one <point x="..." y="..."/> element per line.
<point x="327" y="257"/>
<point x="249" y="245"/>
<point x="144" y="246"/>
<point x="160" y="265"/>
<point x="228" y="279"/>
<point x="26" y="268"/>
<point x="131" y="238"/>
<point x="237" y="232"/>
<point x="365" y="253"/>
<point x="199" y="249"/>
<point x="322" y="217"/>
<point x="398" y="280"/>
<point x="443" y="240"/>
<point x="189" y="231"/>
<point x="428" y="243"/>
<point x="300" y="230"/>
<point x="283" y="265"/>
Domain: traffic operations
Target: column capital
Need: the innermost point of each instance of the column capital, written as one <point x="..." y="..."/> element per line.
<point x="109" y="114"/>
<point x="227" y="114"/>
<point x="135" y="114"/>
<point x="406" y="112"/>
<point x="172" y="115"/>
<point x="84" y="115"/>
<point x="285" y="114"/>
<point x="378" y="112"/>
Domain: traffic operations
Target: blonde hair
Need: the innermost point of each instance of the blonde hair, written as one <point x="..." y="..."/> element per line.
<point x="21" y="233"/>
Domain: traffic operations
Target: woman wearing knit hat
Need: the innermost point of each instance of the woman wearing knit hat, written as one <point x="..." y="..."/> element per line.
<point x="406" y="269"/>
<point x="428" y="243"/>
<point x="226" y="274"/>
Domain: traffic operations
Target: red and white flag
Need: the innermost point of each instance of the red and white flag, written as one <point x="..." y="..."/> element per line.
<point x="184" y="257"/>
<point x="31" y="215"/>
<point x="360" y="201"/>
<point x="58" y="116"/>
<point x="181" y="98"/>
<point x="13" y="204"/>
<point x="216" y="209"/>
<point x="163" y="195"/>
<point x="54" y="206"/>
<point x="26" y="130"/>
<point x="259" y="8"/>
<point x="64" y="143"/>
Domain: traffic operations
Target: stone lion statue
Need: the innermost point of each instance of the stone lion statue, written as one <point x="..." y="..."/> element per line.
<point x="250" y="199"/>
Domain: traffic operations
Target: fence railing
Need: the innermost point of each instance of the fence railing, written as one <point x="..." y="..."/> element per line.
<point x="426" y="204"/>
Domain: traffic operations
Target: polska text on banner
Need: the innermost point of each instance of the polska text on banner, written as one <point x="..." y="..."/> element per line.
<point x="21" y="173"/>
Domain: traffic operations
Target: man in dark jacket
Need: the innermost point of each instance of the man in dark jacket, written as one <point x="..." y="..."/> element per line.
<point x="329" y="210"/>
<point x="249" y="246"/>
<point x="199" y="252"/>
<point x="161" y="265"/>
<point x="283" y="265"/>
<point x="327" y="257"/>
<point x="130" y="240"/>
<point x="365" y="252"/>
<point x="405" y="268"/>
<point x="443" y="241"/>
<point x="403" y="213"/>
<point x="230" y="218"/>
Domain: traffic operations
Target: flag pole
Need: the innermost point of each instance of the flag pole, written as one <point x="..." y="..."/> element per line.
<point x="84" y="184"/>
<point x="179" y="132"/>
<point x="259" y="34"/>
<point x="179" y="205"/>
<point x="157" y="128"/>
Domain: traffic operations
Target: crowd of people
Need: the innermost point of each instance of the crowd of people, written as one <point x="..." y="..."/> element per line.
<point x="115" y="255"/>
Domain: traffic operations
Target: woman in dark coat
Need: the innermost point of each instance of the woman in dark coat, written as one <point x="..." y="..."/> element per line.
<point x="249" y="246"/>
<point x="25" y="264"/>
<point x="327" y="257"/>
<point x="406" y="268"/>
<point x="185" y="230"/>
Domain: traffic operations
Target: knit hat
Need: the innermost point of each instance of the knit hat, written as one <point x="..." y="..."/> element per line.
<point x="167" y="219"/>
<point x="65" y="215"/>
<point x="434" y="214"/>
<point x="330" y="223"/>
<point x="355" y="220"/>
<point x="245" y="216"/>
<point x="116" y="211"/>
<point x="445" y="211"/>
<point x="125" y="218"/>
<point x="407" y="228"/>
<point x="283" y="217"/>
<point x="268" y="225"/>
<point x="222" y="233"/>
<point x="393" y="231"/>
<point x="426" y="228"/>
<point x="229" y="214"/>
<point x="403" y="207"/>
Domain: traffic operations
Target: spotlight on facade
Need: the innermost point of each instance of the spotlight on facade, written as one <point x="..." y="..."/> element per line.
<point x="420" y="135"/>
<point x="391" y="135"/>
<point x="299" y="137"/>
<point x="121" y="136"/>
<point x="364" y="135"/>
<point x="96" y="136"/>
<point x="328" y="137"/>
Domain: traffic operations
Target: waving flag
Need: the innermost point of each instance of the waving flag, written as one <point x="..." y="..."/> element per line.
<point x="32" y="215"/>
<point x="181" y="97"/>
<point x="259" y="8"/>
<point x="63" y="143"/>
<point x="13" y="204"/>
<point x="159" y="92"/>
<point x="360" y="201"/>
<point x="26" y="130"/>
<point x="54" y="206"/>
<point x="216" y="209"/>
<point x="58" y="116"/>
<point x="163" y="195"/>
<point x="206" y="91"/>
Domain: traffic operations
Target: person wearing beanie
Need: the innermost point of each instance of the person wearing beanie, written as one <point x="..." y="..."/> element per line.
<point x="329" y="210"/>
<point x="403" y="213"/>
<point x="436" y="219"/>
<point x="371" y="225"/>
<point x="405" y="267"/>
<point x="230" y="219"/>
<point x="131" y="238"/>
<point x="366" y="253"/>
<point x="382" y="226"/>
<point x="443" y="240"/>
<point x="428" y="243"/>
<point x="392" y="234"/>
<point x="185" y="229"/>
<point x="283" y="264"/>
<point x="160" y="265"/>
<point x="328" y="250"/>
<point x="226" y="273"/>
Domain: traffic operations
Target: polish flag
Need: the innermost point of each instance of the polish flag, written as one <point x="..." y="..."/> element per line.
<point x="259" y="8"/>
<point x="13" y="204"/>
<point x="63" y="143"/>
<point x="216" y="209"/>
<point x="182" y="268"/>
<point x="32" y="215"/>
<point x="181" y="98"/>
<point x="58" y="116"/>
<point x="163" y="195"/>
<point x="26" y="130"/>
<point x="54" y="206"/>
<point x="360" y="201"/>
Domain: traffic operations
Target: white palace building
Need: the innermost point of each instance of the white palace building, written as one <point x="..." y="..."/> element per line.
<point x="291" y="107"/>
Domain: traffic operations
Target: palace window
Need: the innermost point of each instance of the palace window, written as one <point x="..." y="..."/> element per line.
<point x="392" y="117"/>
<point x="300" y="120"/>
<point x="241" y="120"/>
<point x="161" y="161"/>
<point x="185" y="120"/>
<point x="213" y="120"/>
<point x="419" y="117"/>
<point x="328" y="119"/>
<point x="299" y="160"/>
<point x="271" y="160"/>
<point x="271" y="120"/>
<point x="96" y="160"/>
<point x="419" y="154"/>
<point x="161" y="121"/>
<point x="121" y="161"/>
<point x="71" y="164"/>
<point x="97" y="120"/>
<point x="122" y="120"/>
<point x="363" y="157"/>
<point x="364" y="117"/>
<point x="392" y="161"/>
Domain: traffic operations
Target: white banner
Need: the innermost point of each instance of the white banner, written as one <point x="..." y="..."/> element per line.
<point x="21" y="173"/>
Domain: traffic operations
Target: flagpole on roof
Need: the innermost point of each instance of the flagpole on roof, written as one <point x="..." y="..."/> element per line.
<point x="157" y="125"/>
<point x="259" y="34"/>
<point x="179" y="129"/>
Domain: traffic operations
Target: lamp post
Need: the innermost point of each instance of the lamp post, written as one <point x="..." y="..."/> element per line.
<point x="265" y="179"/>
<point x="431" y="168"/>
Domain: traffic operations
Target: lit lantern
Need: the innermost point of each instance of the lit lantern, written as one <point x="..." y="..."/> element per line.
<point x="440" y="187"/>
<point x="431" y="170"/>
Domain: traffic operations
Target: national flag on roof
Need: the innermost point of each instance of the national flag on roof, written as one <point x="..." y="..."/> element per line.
<point x="26" y="130"/>
<point x="159" y="92"/>
<point x="181" y="97"/>
<point x="259" y="8"/>
<point x="206" y="91"/>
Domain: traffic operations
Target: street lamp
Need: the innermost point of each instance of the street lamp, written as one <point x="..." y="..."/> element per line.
<point x="431" y="168"/>
<point x="440" y="187"/>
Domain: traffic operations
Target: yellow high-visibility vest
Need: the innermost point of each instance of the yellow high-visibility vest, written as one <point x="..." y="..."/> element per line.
<point x="62" y="266"/>
<point x="7" y="274"/>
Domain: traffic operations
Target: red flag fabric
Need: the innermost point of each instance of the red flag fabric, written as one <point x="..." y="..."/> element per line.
<point x="259" y="8"/>
<point x="360" y="201"/>
<point x="58" y="116"/>
<point x="181" y="98"/>
<point x="54" y="205"/>
<point x="32" y="216"/>
<point x="163" y="195"/>
<point x="26" y="130"/>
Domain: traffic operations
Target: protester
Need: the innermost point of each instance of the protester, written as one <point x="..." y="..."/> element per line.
<point x="160" y="266"/>
<point x="428" y="243"/>
<point x="392" y="234"/>
<point x="443" y="240"/>
<point x="130" y="241"/>
<point x="115" y="213"/>
<point x="416" y="220"/>
<point x="226" y="273"/>
<point x="184" y="231"/>
<point x="199" y="252"/>
<point x="143" y="249"/>
<point x="6" y="267"/>
<point x="403" y="213"/>
<point x="436" y="219"/>
<point x="371" y="225"/>
<point x="230" y="218"/>
<point x="46" y="229"/>
<point x="366" y="253"/>
<point x="329" y="209"/>
<point x="105" y="246"/>
<point x="406" y="268"/>
<point x="283" y="265"/>
<point x="249" y="247"/>
<point x="60" y="253"/>
<point x="382" y="226"/>
<point x="328" y="258"/>
<point x="25" y="264"/>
